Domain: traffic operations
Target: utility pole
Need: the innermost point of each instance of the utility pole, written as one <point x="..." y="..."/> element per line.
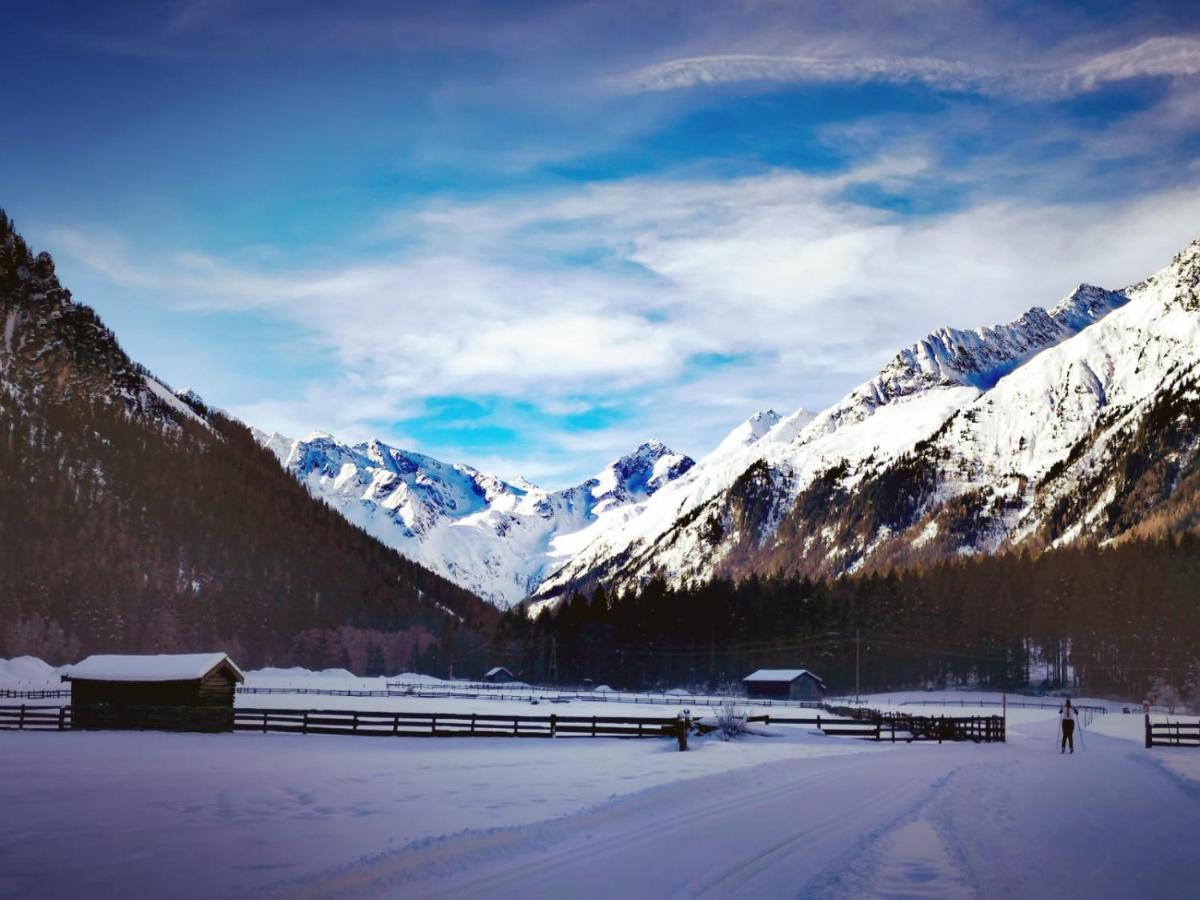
<point x="857" y="647"/>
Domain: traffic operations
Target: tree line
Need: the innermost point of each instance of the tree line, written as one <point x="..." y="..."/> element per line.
<point x="1120" y="620"/>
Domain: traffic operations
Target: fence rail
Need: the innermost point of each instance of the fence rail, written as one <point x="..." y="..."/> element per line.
<point x="357" y="722"/>
<point x="29" y="694"/>
<point x="1172" y="734"/>
<point x="448" y="724"/>
<point x="35" y="718"/>
<point x="899" y="726"/>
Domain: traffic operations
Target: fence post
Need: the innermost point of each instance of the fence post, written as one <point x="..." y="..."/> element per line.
<point x="264" y="721"/>
<point x="21" y="718"/>
<point x="62" y="718"/>
<point x="1149" y="736"/>
<point x="354" y="723"/>
<point x="515" y="721"/>
<point x="473" y="723"/>
<point x="433" y="725"/>
<point x="681" y="731"/>
<point x="879" y="729"/>
<point x="939" y="728"/>
<point x="304" y="723"/>
<point x="593" y="726"/>
<point x="553" y="725"/>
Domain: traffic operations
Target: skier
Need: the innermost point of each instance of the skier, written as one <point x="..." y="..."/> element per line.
<point x="1067" y="711"/>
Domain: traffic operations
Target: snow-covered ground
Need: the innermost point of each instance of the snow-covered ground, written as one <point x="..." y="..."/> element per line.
<point x="792" y="813"/>
<point x="100" y="814"/>
<point x="28" y="673"/>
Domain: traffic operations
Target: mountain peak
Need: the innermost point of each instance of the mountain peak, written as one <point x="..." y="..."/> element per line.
<point x="748" y="432"/>
<point x="639" y="474"/>
<point x="1188" y="259"/>
<point x="320" y="437"/>
<point x="1191" y="251"/>
<point x="951" y="357"/>
<point x="1083" y="306"/>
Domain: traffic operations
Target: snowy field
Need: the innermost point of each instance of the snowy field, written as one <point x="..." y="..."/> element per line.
<point x="785" y="813"/>
<point x="96" y="814"/>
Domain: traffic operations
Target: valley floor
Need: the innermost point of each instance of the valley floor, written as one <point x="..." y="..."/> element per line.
<point x="794" y="814"/>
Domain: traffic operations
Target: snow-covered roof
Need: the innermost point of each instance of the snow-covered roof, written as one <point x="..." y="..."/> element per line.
<point x="496" y="671"/>
<point x="780" y="675"/>
<point x="159" y="667"/>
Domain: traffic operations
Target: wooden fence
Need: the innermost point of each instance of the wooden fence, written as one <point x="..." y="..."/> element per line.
<point x="355" y="722"/>
<point x="893" y="726"/>
<point x="41" y="694"/>
<point x="832" y="726"/>
<point x="889" y="726"/>
<point x="35" y="718"/>
<point x="403" y="724"/>
<point x="1172" y="734"/>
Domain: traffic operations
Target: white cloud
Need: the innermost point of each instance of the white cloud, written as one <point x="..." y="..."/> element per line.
<point x="727" y="69"/>
<point x="1159" y="56"/>
<point x="1155" y="57"/>
<point x="805" y="292"/>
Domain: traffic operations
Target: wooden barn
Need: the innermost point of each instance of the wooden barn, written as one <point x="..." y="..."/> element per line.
<point x="784" y="684"/>
<point x="498" y="675"/>
<point x="168" y="692"/>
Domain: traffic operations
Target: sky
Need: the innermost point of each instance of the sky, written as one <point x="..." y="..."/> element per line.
<point x="530" y="236"/>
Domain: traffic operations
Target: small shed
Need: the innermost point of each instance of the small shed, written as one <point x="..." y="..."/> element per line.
<point x="784" y="684"/>
<point x="166" y="692"/>
<point x="498" y="675"/>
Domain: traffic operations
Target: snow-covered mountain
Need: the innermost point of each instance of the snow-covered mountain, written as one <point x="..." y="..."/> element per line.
<point x="497" y="539"/>
<point x="1077" y="421"/>
<point x="1080" y="421"/>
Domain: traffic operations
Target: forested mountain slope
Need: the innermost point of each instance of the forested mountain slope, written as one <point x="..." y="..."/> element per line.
<point x="132" y="520"/>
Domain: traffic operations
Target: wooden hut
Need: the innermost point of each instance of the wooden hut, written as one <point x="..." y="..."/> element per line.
<point x="784" y="684"/>
<point x="168" y="692"/>
<point x="498" y="675"/>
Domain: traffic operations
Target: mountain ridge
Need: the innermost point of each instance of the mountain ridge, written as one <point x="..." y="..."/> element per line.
<point x="873" y="480"/>
<point x="496" y="538"/>
<point x="920" y="445"/>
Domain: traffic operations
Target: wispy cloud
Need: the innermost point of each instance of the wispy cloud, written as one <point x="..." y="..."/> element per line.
<point x="1156" y="57"/>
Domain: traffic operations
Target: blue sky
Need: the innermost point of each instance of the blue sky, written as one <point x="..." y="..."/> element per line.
<point x="530" y="236"/>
